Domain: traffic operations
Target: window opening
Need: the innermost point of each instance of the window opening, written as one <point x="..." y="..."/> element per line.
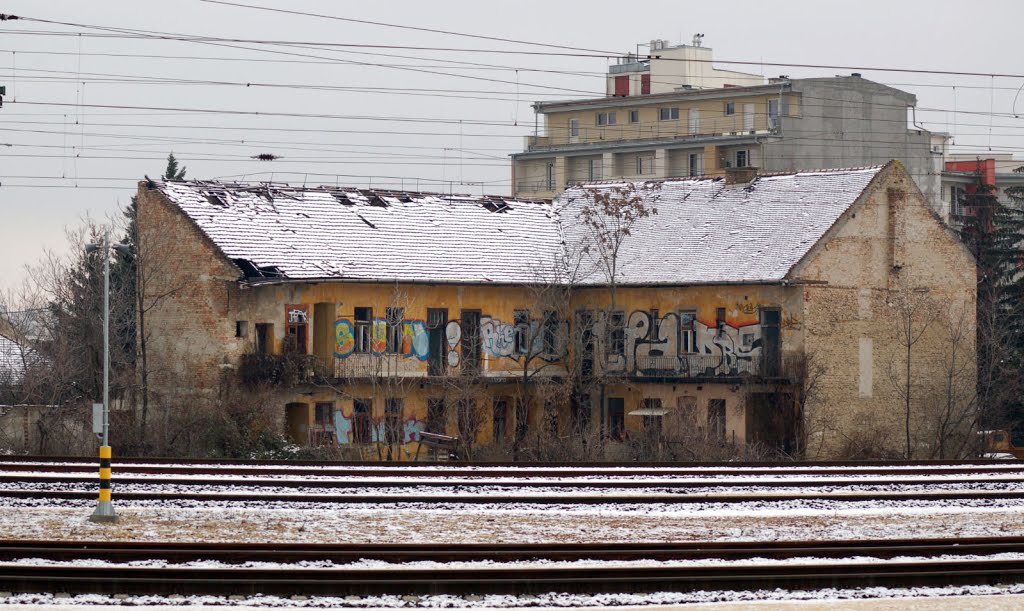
<point x="364" y="322"/>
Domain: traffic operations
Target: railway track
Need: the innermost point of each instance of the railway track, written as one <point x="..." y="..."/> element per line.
<point x="514" y="470"/>
<point x="675" y="484"/>
<point x="508" y="499"/>
<point x="466" y="485"/>
<point x="935" y="563"/>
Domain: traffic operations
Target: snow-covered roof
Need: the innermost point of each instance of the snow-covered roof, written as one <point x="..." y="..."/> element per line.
<point x="704" y="231"/>
<point x="327" y="232"/>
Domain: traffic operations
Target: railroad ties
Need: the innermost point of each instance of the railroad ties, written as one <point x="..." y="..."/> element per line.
<point x="319" y="569"/>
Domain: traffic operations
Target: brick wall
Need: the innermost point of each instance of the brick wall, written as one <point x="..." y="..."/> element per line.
<point x="192" y="293"/>
<point x="890" y="256"/>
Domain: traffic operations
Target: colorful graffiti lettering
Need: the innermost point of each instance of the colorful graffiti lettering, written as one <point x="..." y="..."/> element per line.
<point x="344" y="338"/>
<point x="343" y="429"/>
<point x="378" y="336"/>
<point x="415" y="339"/>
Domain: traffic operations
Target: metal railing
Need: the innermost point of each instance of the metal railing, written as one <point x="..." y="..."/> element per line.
<point x="697" y="365"/>
<point x="726" y="125"/>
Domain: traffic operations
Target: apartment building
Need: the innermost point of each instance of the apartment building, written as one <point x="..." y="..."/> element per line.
<point x="961" y="175"/>
<point x="672" y="114"/>
<point x="406" y="309"/>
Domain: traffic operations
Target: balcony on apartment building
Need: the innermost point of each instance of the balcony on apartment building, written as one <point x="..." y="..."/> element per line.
<point x="658" y="133"/>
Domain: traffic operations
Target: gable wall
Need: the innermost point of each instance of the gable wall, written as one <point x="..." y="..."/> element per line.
<point x="888" y="250"/>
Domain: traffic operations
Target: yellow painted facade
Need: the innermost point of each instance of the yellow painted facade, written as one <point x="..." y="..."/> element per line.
<point x="711" y="118"/>
<point x="373" y="372"/>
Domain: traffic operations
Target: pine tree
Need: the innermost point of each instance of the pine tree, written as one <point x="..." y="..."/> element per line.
<point x="993" y="232"/>
<point x="172" y="172"/>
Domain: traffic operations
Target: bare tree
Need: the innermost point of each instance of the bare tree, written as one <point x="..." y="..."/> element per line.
<point x="914" y="312"/>
<point x="609" y="214"/>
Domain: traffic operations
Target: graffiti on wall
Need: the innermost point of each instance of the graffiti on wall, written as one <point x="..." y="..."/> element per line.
<point x="680" y="344"/>
<point x="344" y="428"/>
<point x="452" y="335"/>
<point x="677" y="343"/>
<point x="415" y="339"/>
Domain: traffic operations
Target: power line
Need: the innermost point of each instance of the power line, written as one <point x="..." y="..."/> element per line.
<point x="130" y="33"/>
<point x="404" y="27"/>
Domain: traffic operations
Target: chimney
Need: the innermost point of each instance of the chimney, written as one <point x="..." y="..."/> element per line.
<point x="740" y="176"/>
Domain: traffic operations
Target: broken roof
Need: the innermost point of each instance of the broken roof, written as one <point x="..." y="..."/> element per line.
<point x="704" y="230"/>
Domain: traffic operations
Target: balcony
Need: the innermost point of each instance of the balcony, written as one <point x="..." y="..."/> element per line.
<point x="706" y="128"/>
<point x="697" y="366"/>
<point x="280" y="369"/>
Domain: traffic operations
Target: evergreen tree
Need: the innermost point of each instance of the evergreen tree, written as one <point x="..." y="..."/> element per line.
<point x="172" y="172"/>
<point x="993" y="232"/>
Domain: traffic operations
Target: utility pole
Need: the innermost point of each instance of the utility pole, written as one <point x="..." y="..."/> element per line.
<point x="105" y="508"/>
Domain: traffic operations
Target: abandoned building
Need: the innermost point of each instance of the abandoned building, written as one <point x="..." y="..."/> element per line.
<point x="745" y="308"/>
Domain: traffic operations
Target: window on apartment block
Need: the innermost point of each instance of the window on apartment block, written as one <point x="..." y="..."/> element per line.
<point x="436" y="415"/>
<point x="574" y="128"/>
<point x="742" y="158"/>
<point x="500" y="418"/>
<point x="694" y="120"/>
<point x="596" y="169"/>
<point x="521" y="319"/>
<point x="549" y="175"/>
<point x="668" y="114"/>
<point x="957" y="197"/>
<point x="645" y="163"/>
<point x="634" y="116"/>
<point x="297" y="331"/>
<point x="393" y="319"/>
<point x="696" y="164"/>
<point x="241" y="328"/>
<point x="645" y="84"/>
<point x="362" y="425"/>
<point x="617" y="333"/>
<point x="730" y="108"/>
<point x="393" y="421"/>
<point x="550" y="332"/>
<point x="687" y="334"/>
<point x="605" y="118"/>
<point x="363" y="329"/>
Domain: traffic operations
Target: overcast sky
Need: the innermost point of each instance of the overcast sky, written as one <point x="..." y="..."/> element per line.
<point x="59" y="163"/>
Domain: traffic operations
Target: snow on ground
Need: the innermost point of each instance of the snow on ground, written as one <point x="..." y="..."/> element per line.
<point x="427" y="492"/>
<point x="354" y="523"/>
<point x="882" y="598"/>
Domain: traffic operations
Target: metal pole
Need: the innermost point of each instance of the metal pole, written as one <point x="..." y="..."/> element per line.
<point x="105" y="508"/>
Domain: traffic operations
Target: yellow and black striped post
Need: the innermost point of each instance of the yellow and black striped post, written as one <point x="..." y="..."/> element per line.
<point x="105" y="508"/>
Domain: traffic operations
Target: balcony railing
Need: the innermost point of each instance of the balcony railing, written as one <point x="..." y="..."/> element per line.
<point x="729" y="125"/>
<point x="697" y="366"/>
<point x="278" y="369"/>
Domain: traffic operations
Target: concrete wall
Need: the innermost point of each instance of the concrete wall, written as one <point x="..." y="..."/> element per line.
<point x="888" y="249"/>
<point x="848" y="122"/>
